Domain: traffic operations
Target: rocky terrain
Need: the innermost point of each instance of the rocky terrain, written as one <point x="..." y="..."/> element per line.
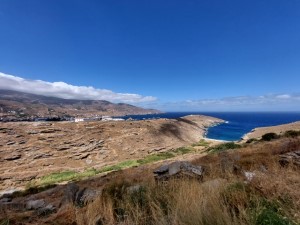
<point x="30" y="150"/>
<point x="280" y="129"/>
<point x="250" y="181"/>
<point x="18" y="105"/>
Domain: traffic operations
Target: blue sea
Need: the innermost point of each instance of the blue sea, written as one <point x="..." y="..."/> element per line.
<point x="238" y="123"/>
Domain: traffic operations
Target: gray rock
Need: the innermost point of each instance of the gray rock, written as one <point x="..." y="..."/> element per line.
<point x="178" y="168"/>
<point x="290" y="158"/>
<point x="35" y="204"/>
<point x="85" y="196"/>
<point x="70" y="192"/>
<point x="44" y="211"/>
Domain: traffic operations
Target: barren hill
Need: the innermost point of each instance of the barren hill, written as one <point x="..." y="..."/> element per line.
<point x="30" y="150"/>
<point x="15" y="104"/>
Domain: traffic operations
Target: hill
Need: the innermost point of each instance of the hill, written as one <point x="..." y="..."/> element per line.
<point x="19" y="105"/>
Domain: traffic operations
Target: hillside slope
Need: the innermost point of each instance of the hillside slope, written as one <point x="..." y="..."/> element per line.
<point x="15" y="104"/>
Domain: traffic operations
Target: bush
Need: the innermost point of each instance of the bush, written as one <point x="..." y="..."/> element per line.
<point x="251" y="140"/>
<point x="155" y="157"/>
<point x="269" y="136"/>
<point x="269" y="216"/>
<point x="223" y="147"/>
<point x="292" y="133"/>
<point x="202" y="142"/>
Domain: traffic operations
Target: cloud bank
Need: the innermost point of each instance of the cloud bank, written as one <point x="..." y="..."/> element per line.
<point x="68" y="91"/>
<point x="268" y="102"/>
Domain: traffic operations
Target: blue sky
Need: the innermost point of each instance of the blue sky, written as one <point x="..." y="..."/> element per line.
<point x="172" y="55"/>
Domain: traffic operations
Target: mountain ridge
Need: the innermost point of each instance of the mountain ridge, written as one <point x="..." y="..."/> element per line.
<point x="20" y="105"/>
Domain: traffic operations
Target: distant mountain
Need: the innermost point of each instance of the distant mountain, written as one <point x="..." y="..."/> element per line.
<point x="18" y="105"/>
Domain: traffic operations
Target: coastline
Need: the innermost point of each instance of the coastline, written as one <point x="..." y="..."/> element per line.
<point x="279" y="129"/>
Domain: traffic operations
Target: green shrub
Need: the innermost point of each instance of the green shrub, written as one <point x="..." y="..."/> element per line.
<point x="183" y="150"/>
<point x="223" y="147"/>
<point x="269" y="136"/>
<point x="292" y="133"/>
<point x="270" y="217"/>
<point x="119" y="166"/>
<point x="202" y="142"/>
<point x="251" y="140"/>
<point x="156" y="157"/>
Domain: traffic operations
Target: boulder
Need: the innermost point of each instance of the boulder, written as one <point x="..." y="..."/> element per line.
<point x="85" y="196"/>
<point x="290" y="158"/>
<point x="70" y="192"/>
<point x="48" y="209"/>
<point x="35" y="204"/>
<point x="178" y="169"/>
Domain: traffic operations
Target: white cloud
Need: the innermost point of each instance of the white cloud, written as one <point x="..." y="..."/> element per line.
<point x="285" y="96"/>
<point x="246" y="100"/>
<point x="268" y="102"/>
<point x="68" y="91"/>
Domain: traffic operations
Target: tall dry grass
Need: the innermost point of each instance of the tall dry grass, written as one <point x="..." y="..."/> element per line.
<point x="225" y="197"/>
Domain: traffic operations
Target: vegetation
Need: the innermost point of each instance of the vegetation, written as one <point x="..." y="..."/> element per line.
<point x="292" y="133"/>
<point x="68" y="175"/>
<point x="251" y="140"/>
<point x="269" y="136"/>
<point x="223" y="147"/>
<point x="202" y="142"/>
<point x="223" y="197"/>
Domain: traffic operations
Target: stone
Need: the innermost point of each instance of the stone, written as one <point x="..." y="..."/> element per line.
<point x="290" y="158"/>
<point x="22" y="142"/>
<point x="249" y="175"/>
<point x="10" y="143"/>
<point x="70" y="192"/>
<point x="81" y="156"/>
<point x="13" y="157"/>
<point x="44" y="211"/>
<point x="35" y="204"/>
<point x="63" y="148"/>
<point x="42" y="155"/>
<point x="178" y="169"/>
<point x="85" y="196"/>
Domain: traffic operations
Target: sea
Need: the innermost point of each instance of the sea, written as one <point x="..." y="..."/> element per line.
<point x="237" y="123"/>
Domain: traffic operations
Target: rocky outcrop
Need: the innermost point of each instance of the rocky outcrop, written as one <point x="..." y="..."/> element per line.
<point x="178" y="169"/>
<point x="290" y="158"/>
<point x="79" y="197"/>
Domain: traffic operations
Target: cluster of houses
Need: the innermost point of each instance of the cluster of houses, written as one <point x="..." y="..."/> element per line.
<point x="100" y="118"/>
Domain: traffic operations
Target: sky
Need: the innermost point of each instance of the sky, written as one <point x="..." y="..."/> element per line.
<point x="172" y="55"/>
